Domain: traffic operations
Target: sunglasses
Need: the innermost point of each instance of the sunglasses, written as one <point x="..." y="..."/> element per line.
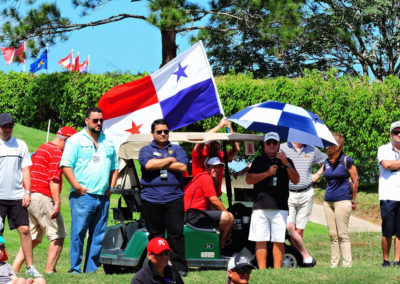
<point x="395" y="133"/>
<point x="2" y="248"/>
<point x="166" y="253"/>
<point x="271" y="142"/>
<point x="97" y="120"/>
<point x="243" y="270"/>
<point x="159" y="132"/>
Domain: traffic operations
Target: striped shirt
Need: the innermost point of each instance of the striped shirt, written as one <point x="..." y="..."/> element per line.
<point x="303" y="162"/>
<point x="46" y="168"/>
<point x="14" y="156"/>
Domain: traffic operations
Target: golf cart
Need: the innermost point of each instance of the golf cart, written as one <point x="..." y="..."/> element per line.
<point x="125" y="242"/>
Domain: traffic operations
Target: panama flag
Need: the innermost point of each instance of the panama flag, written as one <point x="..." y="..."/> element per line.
<point x="14" y="55"/>
<point x="66" y="62"/>
<point x="182" y="92"/>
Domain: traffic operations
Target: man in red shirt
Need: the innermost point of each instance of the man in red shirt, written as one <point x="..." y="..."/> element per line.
<point x="212" y="149"/>
<point x="44" y="210"/>
<point x="200" y="195"/>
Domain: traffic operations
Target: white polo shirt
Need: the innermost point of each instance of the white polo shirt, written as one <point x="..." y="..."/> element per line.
<point x="389" y="181"/>
<point x="14" y="156"/>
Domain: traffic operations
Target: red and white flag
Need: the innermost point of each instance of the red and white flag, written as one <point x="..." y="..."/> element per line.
<point x="76" y="63"/>
<point x="11" y="54"/>
<point x="66" y="62"/>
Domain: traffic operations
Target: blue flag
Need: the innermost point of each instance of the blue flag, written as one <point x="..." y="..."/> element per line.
<point x="40" y="63"/>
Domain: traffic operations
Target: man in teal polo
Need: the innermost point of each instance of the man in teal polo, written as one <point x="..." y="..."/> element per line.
<point x="89" y="163"/>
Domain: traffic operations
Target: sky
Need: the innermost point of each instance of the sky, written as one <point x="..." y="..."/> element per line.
<point x="131" y="45"/>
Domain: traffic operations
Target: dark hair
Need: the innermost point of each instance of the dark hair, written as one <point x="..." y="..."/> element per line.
<point x="157" y="122"/>
<point x="92" y="109"/>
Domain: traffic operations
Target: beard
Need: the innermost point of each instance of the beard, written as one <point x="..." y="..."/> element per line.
<point x="94" y="130"/>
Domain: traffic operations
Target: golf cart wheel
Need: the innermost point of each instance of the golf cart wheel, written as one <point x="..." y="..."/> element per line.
<point x="291" y="259"/>
<point x="111" y="269"/>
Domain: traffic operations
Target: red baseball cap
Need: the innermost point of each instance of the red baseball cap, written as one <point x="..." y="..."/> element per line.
<point x="158" y="245"/>
<point x="66" y="131"/>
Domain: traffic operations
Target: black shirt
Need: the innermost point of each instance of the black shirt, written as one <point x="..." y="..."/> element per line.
<point x="265" y="195"/>
<point x="148" y="275"/>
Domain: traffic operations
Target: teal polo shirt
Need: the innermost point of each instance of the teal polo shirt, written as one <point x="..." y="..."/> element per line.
<point x="91" y="166"/>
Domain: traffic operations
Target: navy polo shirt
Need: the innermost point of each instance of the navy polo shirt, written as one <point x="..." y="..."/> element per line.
<point x="155" y="189"/>
<point x="337" y="176"/>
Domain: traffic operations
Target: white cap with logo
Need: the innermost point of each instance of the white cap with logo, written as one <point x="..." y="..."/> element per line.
<point x="394" y="125"/>
<point x="271" y="136"/>
<point x="213" y="161"/>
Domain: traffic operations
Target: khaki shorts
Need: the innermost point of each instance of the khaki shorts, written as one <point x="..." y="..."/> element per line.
<point x="300" y="207"/>
<point x="40" y="210"/>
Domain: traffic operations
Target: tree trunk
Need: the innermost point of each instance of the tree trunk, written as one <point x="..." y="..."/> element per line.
<point x="168" y="41"/>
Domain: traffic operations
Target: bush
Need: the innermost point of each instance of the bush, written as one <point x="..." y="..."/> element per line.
<point x="360" y="110"/>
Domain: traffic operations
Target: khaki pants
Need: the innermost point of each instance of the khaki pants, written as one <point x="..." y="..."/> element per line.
<point x="337" y="216"/>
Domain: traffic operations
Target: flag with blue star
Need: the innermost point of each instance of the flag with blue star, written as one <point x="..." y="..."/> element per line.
<point x="40" y="63"/>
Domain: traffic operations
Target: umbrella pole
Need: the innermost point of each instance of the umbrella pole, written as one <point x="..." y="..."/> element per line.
<point x="227" y="176"/>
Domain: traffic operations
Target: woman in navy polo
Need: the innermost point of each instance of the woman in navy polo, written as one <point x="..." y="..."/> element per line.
<point x="340" y="198"/>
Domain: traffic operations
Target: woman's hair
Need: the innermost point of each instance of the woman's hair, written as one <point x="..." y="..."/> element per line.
<point x="334" y="152"/>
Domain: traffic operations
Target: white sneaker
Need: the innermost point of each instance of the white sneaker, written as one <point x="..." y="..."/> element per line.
<point x="32" y="271"/>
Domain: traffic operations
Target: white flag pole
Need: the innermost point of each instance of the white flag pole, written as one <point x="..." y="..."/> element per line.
<point x="47" y="67"/>
<point x="48" y="131"/>
<point x="88" y="70"/>
<point x="72" y="60"/>
<point x="23" y="68"/>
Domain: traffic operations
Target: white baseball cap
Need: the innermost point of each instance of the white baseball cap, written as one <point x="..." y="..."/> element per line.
<point x="238" y="261"/>
<point x="394" y="125"/>
<point x="213" y="161"/>
<point x="271" y="135"/>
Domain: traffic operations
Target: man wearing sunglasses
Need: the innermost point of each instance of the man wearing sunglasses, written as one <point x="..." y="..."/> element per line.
<point x="239" y="270"/>
<point x="89" y="162"/>
<point x="15" y="186"/>
<point x="200" y="195"/>
<point x="270" y="174"/>
<point x="162" y="165"/>
<point x="157" y="270"/>
<point x="389" y="194"/>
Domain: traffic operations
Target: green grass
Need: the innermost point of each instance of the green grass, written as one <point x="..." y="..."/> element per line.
<point x="365" y="248"/>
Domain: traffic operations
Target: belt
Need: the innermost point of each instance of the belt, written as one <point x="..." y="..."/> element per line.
<point x="301" y="189"/>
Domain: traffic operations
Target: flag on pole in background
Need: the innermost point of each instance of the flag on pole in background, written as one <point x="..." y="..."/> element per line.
<point x="182" y="92"/>
<point x="40" y="63"/>
<point x="84" y="66"/>
<point x="75" y="67"/>
<point x="14" y="55"/>
<point x="66" y="62"/>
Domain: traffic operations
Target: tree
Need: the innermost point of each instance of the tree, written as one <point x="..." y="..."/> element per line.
<point x="44" y="23"/>
<point x="359" y="37"/>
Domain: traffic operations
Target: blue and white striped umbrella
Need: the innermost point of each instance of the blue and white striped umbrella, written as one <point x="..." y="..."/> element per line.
<point x="293" y="123"/>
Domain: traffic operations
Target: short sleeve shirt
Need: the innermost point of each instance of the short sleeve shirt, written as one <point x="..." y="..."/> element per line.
<point x="389" y="181"/>
<point x="46" y="168"/>
<point x="303" y="161"/>
<point x="265" y="195"/>
<point x="5" y="273"/>
<point x="198" y="191"/>
<point x="14" y="156"/>
<point x="337" y="176"/>
<point x="91" y="165"/>
<point x="157" y="189"/>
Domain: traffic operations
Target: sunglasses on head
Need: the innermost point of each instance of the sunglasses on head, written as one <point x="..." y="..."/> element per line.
<point x="271" y="142"/>
<point x="166" y="252"/>
<point x="97" y="120"/>
<point x="395" y="133"/>
<point x="243" y="270"/>
<point x="159" y="132"/>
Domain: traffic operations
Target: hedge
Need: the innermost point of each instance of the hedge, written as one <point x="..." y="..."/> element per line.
<point x="359" y="109"/>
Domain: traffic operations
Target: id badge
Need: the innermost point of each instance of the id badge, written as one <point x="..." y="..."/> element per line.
<point x="163" y="174"/>
<point x="96" y="158"/>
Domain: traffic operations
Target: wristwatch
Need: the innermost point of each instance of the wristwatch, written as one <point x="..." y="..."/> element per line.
<point x="28" y="192"/>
